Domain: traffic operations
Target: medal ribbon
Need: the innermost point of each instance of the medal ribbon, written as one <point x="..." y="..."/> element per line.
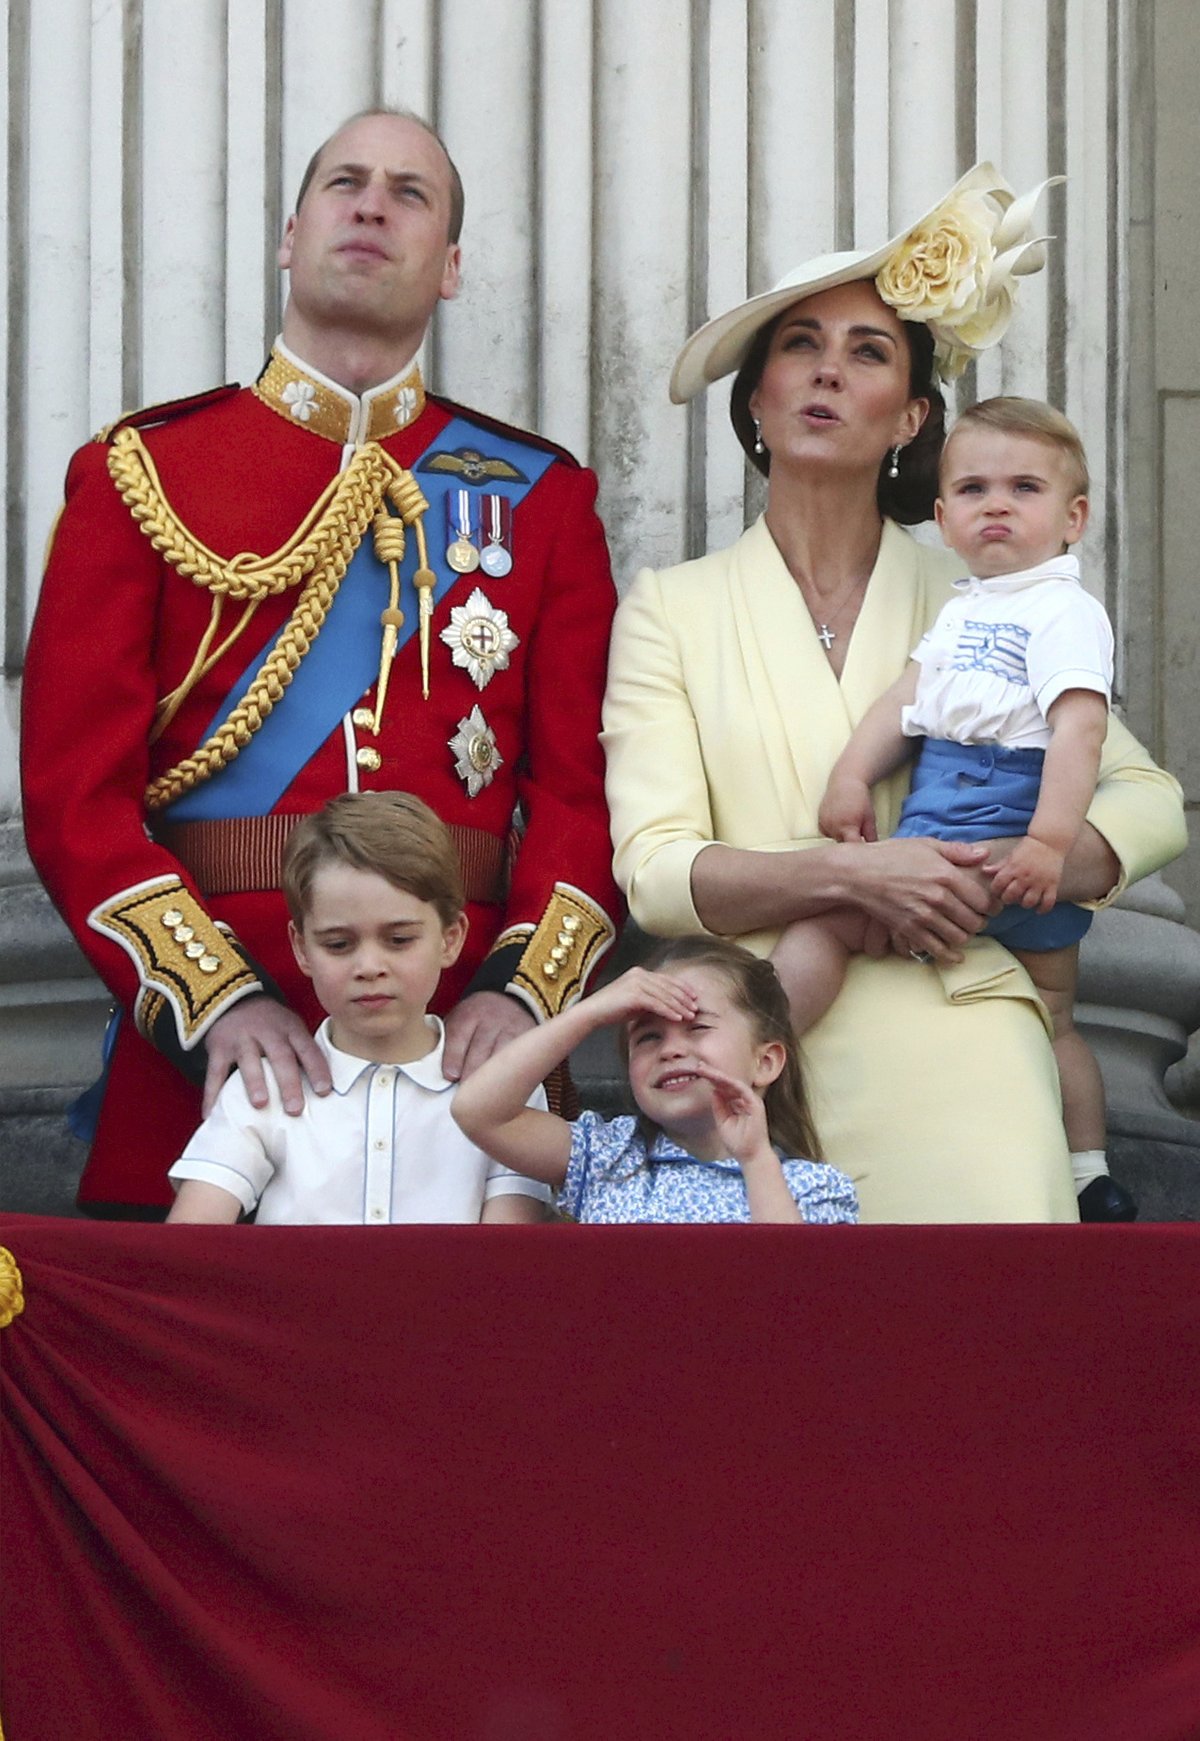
<point x="460" y="516"/>
<point x="499" y="519"/>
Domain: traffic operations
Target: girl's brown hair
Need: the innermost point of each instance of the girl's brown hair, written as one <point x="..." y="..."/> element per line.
<point x="755" y="990"/>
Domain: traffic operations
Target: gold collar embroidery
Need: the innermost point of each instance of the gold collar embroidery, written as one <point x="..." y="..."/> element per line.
<point x="317" y="404"/>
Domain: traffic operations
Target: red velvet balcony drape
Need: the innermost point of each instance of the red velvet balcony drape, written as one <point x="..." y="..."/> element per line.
<point x="565" y="1484"/>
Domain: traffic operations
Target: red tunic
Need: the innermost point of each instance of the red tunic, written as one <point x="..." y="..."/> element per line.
<point x="117" y="628"/>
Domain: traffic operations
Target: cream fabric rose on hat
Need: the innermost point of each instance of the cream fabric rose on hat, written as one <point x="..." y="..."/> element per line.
<point x="955" y="270"/>
<point x="941" y="268"/>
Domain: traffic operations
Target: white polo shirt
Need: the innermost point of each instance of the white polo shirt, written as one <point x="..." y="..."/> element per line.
<point x="382" y="1147"/>
<point x="1002" y="652"/>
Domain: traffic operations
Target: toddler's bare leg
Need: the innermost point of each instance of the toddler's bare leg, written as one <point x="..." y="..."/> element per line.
<point x="1055" y="972"/>
<point x="811" y="959"/>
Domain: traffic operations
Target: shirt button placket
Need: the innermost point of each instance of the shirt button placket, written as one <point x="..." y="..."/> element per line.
<point x="378" y="1162"/>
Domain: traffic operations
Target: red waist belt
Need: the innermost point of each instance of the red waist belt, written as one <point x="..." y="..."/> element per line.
<point x="231" y="856"/>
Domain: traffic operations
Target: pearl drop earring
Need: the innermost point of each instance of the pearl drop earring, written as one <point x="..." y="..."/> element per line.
<point x="894" y="468"/>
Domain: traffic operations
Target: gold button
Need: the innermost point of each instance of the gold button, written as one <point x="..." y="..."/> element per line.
<point x="550" y="969"/>
<point x="559" y="955"/>
<point x="171" y="918"/>
<point x="565" y="939"/>
<point x="209" y="964"/>
<point x="369" y="759"/>
<point x="194" y="951"/>
<point x="571" y="923"/>
<point x="184" y="933"/>
<point x="363" y="716"/>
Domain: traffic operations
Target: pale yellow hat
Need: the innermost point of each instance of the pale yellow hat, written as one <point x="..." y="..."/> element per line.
<point x="955" y="269"/>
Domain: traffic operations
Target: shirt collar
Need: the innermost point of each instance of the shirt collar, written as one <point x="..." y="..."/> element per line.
<point x="664" y="1148"/>
<point x="346" y="1069"/>
<point x="311" y="401"/>
<point x="1064" y="567"/>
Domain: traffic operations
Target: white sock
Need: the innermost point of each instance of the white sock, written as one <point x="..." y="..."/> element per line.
<point x="1086" y="1165"/>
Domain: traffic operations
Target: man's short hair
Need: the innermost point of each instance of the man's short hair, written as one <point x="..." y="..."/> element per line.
<point x="457" y="201"/>
<point x="1033" y="417"/>
<point x="393" y="834"/>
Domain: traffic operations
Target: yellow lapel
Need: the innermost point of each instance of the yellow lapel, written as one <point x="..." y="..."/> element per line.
<point x="805" y="714"/>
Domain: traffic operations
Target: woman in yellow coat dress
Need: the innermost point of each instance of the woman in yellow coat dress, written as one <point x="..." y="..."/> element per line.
<point x="736" y="680"/>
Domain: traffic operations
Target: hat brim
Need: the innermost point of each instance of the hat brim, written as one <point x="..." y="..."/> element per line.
<point x="721" y="345"/>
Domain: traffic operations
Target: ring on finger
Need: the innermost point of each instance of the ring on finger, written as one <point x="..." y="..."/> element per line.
<point x="921" y="955"/>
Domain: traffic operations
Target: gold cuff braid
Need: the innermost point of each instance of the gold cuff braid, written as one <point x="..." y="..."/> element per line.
<point x="190" y="968"/>
<point x="317" y="554"/>
<point x="572" y="935"/>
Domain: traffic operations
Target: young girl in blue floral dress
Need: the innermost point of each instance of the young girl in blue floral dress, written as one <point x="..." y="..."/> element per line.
<point x="723" y="1131"/>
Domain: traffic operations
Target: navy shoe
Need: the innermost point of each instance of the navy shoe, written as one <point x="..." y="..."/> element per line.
<point x="1105" y="1200"/>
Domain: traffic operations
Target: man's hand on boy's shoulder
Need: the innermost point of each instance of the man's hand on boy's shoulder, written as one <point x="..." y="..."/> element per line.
<point x="480" y="1025"/>
<point x="254" y="1029"/>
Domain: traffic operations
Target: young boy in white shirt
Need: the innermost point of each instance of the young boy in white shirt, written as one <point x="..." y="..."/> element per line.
<point x="374" y="889"/>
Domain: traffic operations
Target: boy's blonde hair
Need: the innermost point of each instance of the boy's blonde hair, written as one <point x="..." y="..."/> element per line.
<point x="1033" y="417"/>
<point x="392" y="834"/>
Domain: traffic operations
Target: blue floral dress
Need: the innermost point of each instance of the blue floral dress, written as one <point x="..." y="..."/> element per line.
<point x="611" y="1178"/>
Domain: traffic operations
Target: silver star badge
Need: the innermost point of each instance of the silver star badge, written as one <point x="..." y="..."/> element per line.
<point x="475" y="752"/>
<point x="479" y="638"/>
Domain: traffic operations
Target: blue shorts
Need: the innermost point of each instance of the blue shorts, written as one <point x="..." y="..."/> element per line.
<point x="977" y="792"/>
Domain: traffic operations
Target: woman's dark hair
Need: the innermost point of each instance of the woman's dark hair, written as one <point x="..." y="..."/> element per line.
<point x="755" y="990"/>
<point x="907" y="499"/>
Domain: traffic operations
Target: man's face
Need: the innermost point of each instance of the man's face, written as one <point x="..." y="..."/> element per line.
<point x="369" y="249"/>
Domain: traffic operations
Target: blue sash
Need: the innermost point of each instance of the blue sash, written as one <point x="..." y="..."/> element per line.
<point x="343" y="661"/>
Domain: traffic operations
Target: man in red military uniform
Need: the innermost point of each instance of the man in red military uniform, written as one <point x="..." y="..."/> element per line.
<point x="328" y="581"/>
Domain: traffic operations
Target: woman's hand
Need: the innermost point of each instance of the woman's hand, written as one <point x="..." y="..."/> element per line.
<point x="931" y="895"/>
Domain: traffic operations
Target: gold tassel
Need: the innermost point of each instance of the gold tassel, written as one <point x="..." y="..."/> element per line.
<point x="406" y="493"/>
<point x="388" y="531"/>
<point x="424" y="580"/>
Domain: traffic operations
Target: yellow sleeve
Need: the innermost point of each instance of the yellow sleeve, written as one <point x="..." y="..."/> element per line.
<point x="656" y="785"/>
<point x="1138" y="808"/>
